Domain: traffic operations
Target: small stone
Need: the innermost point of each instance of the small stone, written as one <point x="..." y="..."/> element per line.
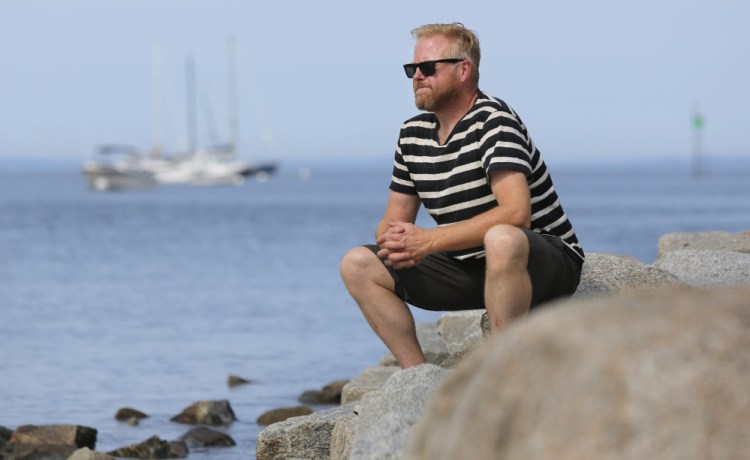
<point x="234" y="380"/>
<point x="127" y="413"/>
<point x="329" y="394"/>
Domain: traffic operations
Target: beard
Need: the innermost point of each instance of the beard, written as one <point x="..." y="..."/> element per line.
<point x="433" y="100"/>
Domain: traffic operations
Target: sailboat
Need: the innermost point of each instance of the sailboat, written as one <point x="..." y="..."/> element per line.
<point x="213" y="165"/>
<point x="216" y="164"/>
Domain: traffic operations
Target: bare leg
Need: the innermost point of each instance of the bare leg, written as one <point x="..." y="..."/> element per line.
<point x="508" y="290"/>
<point x="372" y="287"/>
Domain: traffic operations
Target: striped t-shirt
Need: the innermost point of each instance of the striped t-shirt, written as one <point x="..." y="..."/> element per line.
<point x="452" y="180"/>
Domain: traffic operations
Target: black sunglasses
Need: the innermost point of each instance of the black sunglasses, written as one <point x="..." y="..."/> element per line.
<point x="427" y="67"/>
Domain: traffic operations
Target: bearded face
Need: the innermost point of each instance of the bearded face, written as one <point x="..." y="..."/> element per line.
<point x="432" y="96"/>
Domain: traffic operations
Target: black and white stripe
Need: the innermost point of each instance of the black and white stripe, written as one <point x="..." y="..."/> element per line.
<point x="452" y="179"/>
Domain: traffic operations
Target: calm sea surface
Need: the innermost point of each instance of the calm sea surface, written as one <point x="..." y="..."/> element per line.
<point x="151" y="299"/>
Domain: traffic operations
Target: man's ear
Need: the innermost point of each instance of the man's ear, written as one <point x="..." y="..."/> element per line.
<point x="466" y="67"/>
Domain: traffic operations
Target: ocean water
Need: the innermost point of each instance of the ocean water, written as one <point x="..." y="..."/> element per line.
<point x="151" y="299"/>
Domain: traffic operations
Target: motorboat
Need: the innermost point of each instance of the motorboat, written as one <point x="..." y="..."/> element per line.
<point x="122" y="171"/>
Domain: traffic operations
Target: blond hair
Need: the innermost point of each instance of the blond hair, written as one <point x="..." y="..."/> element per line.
<point x="464" y="42"/>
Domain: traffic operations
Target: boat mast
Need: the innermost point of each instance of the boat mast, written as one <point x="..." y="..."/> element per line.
<point x="232" y="76"/>
<point x="156" y="101"/>
<point x="191" y="109"/>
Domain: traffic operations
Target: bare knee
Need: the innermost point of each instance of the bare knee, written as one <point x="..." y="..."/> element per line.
<point x="506" y="244"/>
<point x="360" y="263"/>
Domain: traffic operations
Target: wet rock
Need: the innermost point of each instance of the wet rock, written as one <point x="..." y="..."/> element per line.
<point x="126" y="414"/>
<point x="212" y="413"/>
<point x="36" y="452"/>
<point x="206" y="437"/>
<point x="306" y="437"/>
<point x="281" y="414"/>
<point x="5" y="434"/>
<point x="85" y="453"/>
<point x="153" y="448"/>
<point x="639" y="375"/>
<point x="234" y="380"/>
<point x="61" y="435"/>
<point x="329" y="394"/>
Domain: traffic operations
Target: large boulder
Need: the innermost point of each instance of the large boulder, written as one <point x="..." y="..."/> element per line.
<point x="608" y="274"/>
<point x="342" y="434"/>
<point x="307" y="437"/>
<point x="643" y="374"/>
<point x="705" y="241"/>
<point x="460" y="330"/>
<point x="707" y="267"/>
<point x="387" y="416"/>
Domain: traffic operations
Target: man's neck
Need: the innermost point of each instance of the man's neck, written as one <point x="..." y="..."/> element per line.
<point x="450" y="116"/>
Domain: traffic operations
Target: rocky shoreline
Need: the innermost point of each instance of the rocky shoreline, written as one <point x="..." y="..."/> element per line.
<point x="644" y="361"/>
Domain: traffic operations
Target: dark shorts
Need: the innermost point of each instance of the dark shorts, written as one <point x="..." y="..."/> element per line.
<point x="442" y="283"/>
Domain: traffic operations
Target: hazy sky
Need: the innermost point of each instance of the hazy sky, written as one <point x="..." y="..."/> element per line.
<point x="323" y="79"/>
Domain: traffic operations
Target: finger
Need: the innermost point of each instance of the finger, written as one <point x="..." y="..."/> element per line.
<point x="405" y="264"/>
<point x="392" y="245"/>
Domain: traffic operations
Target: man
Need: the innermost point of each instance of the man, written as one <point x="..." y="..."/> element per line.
<point x="502" y="241"/>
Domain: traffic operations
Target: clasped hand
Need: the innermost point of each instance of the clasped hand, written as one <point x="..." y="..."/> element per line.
<point x="403" y="245"/>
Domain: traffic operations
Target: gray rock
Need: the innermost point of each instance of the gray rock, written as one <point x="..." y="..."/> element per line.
<point x="341" y="436"/>
<point x="433" y="346"/>
<point x="460" y="330"/>
<point x="387" y="416"/>
<point x="642" y="374"/>
<point x="307" y="437"/>
<point x="281" y="414"/>
<point x="707" y="268"/>
<point x="705" y="241"/>
<point x="85" y="453"/>
<point x="607" y="274"/>
<point x="213" y="413"/>
<point x="370" y="379"/>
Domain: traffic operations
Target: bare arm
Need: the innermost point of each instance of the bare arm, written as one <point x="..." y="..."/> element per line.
<point x="408" y="244"/>
<point x="401" y="207"/>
